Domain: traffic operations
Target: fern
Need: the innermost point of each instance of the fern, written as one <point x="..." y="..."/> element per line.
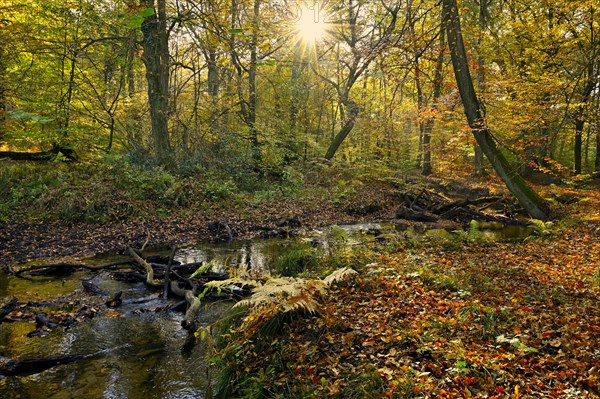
<point x="233" y="281"/>
<point x="290" y="294"/>
<point x="280" y="296"/>
<point x="541" y="227"/>
<point x="203" y="268"/>
<point x="339" y="275"/>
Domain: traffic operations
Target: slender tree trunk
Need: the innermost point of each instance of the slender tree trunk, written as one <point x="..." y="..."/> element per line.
<point x="156" y="59"/>
<point x="579" y="117"/>
<point x="130" y="65"/>
<point x="296" y="70"/>
<point x="528" y="198"/>
<point x="437" y="93"/>
<point x="252" y="95"/>
<point x="352" y="110"/>
<point x="419" y="111"/>
<point x="3" y="68"/>
<point x="479" y="170"/>
<point x="597" y="162"/>
<point x="579" y="124"/>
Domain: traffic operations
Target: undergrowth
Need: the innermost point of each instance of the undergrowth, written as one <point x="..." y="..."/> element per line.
<point x="115" y="189"/>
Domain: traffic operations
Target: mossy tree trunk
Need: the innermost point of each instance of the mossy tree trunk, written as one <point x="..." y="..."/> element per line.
<point x="528" y="198"/>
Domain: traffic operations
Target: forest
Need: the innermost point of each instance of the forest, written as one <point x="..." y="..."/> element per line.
<point x="350" y="199"/>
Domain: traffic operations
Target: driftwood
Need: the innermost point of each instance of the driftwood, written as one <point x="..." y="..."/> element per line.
<point x="167" y="278"/>
<point x="93" y="288"/>
<point x="189" y="321"/>
<point x="42" y="321"/>
<point x="440" y="209"/>
<point x="11" y="367"/>
<point x="171" y="278"/>
<point x="146" y="268"/>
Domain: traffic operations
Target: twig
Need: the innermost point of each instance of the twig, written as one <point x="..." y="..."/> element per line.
<point x="147" y="240"/>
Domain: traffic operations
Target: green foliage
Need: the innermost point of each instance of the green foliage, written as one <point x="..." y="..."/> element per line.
<point x="215" y="189"/>
<point x="297" y="259"/>
<point x="135" y="20"/>
<point x="344" y="190"/>
<point x="472" y="235"/>
<point x="542" y="228"/>
<point x="273" y="304"/>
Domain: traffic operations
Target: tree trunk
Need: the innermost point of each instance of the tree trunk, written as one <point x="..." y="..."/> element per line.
<point x="534" y="205"/>
<point x="130" y="63"/>
<point x="252" y="95"/>
<point x="3" y="81"/>
<point x="579" y="124"/>
<point x="580" y="111"/>
<point x="479" y="170"/>
<point x="156" y="59"/>
<point x="352" y="110"/>
<point x="597" y="162"/>
<point x="437" y="93"/>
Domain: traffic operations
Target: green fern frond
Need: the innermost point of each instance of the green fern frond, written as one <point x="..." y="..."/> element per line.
<point x="203" y="268"/>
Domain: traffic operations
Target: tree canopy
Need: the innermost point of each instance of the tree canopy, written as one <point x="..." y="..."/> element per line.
<point x="270" y="83"/>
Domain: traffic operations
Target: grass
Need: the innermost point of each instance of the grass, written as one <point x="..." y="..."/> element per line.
<point x="298" y="258"/>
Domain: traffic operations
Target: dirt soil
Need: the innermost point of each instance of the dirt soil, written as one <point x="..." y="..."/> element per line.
<point x="50" y="240"/>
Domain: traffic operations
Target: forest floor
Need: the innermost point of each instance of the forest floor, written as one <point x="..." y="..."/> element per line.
<point x="481" y="319"/>
<point x="43" y="227"/>
<point x="436" y="318"/>
<point x="25" y="241"/>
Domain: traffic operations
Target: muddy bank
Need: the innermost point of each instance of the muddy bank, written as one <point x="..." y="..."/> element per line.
<point x="27" y="241"/>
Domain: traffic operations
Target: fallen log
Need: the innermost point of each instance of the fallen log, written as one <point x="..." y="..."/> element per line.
<point x="418" y="216"/>
<point x="66" y="267"/>
<point x="146" y="268"/>
<point x="92" y="288"/>
<point x="190" y="319"/>
<point x="42" y="321"/>
<point x="7" y="307"/>
<point x="69" y="154"/>
<point x="440" y="209"/>
<point x="11" y="367"/>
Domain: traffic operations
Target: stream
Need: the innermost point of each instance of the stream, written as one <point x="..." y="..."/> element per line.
<point x="155" y="358"/>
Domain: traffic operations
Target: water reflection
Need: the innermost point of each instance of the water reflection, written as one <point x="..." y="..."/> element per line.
<point x="157" y="361"/>
<point x="257" y="256"/>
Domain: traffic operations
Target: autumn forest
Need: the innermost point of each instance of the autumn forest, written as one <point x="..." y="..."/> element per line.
<point x="350" y="199"/>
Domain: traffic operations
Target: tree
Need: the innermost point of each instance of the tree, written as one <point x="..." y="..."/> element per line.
<point x="482" y="15"/>
<point x="363" y="42"/>
<point x="156" y="59"/>
<point x="528" y="198"/>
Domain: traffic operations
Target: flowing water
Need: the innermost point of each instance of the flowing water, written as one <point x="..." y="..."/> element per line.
<point x="155" y="358"/>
